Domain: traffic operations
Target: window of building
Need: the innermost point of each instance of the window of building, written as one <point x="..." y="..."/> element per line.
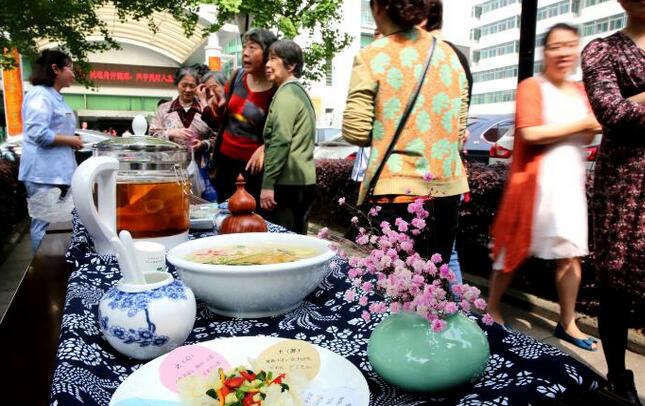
<point x="615" y="22"/>
<point x="538" y="66"/>
<point x="589" y="3"/>
<point x="491" y="5"/>
<point x="234" y="47"/>
<point x="329" y="77"/>
<point x="539" y="39"/>
<point x="502" y="96"/>
<point x="496" y="74"/>
<point x="497" y="50"/>
<point x="366" y="15"/>
<point x="366" y="39"/>
<point x="499" y="26"/>
<point x="553" y="10"/>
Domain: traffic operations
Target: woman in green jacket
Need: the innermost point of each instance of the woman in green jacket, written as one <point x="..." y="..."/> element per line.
<point x="289" y="172"/>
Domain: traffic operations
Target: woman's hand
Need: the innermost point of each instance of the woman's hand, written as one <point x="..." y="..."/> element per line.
<point x="638" y="98"/>
<point x="256" y="162"/>
<point x="202" y="94"/>
<point x="180" y="135"/>
<point x="592" y="125"/>
<point x="218" y="101"/>
<point x="267" y="199"/>
<point x="72" y="141"/>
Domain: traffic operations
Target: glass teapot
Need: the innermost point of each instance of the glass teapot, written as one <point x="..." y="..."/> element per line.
<point x="141" y="186"/>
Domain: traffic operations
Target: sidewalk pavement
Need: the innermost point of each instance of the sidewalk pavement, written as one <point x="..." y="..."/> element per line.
<point x="537" y="318"/>
<point x="527" y="314"/>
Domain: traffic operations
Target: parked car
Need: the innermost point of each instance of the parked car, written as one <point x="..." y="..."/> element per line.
<point x="324" y="134"/>
<point x="335" y="148"/>
<point x="502" y="150"/>
<point x="484" y="131"/>
<point x="12" y="148"/>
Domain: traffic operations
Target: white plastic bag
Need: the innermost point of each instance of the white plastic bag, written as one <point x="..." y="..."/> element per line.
<point x="360" y="164"/>
<point x="197" y="185"/>
<point x="48" y="206"/>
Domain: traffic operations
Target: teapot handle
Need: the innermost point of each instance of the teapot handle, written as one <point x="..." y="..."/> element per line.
<point x="100" y="224"/>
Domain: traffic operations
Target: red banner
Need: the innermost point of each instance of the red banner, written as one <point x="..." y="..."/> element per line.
<point x="12" y="83"/>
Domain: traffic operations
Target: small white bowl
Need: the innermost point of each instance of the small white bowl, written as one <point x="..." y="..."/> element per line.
<point x="250" y="291"/>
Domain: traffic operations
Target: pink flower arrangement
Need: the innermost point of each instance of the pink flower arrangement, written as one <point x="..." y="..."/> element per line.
<point x="393" y="277"/>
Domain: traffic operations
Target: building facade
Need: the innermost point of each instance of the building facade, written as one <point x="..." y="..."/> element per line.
<point x="495" y="35"/>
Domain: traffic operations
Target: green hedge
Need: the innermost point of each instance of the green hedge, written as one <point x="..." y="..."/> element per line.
<point x="13" y="204"/>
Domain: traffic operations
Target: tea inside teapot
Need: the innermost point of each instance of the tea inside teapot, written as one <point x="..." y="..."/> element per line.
<point x="152" y="209"/>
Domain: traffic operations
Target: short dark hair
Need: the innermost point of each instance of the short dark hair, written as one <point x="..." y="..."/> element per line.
<point x="215" y="75"/>
<point x="42" y="72"/>
<point x="202" y="69"/>
<point x="435" y="15"/>
<point x="404" y="13"/>
<point x="290" y="53"/>
<point x="262" y="37"/>
<point x="559" y="26"/>
<point x="185" y="71"/>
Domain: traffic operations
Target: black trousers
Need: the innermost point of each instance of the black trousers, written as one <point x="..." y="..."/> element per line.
<point x="225" y="175"/>
<point x="441" y="226"/>
<point x="293" y="206"/>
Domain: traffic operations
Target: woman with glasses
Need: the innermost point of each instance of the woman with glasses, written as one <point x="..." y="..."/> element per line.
<point x="543" y="212"/>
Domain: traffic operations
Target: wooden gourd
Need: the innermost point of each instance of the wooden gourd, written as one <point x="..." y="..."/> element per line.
<point x="242" y="219"/>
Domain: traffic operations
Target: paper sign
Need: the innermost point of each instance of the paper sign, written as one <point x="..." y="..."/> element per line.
<point x="189" y="360"/>
<point x="331" y="397"/>
<point x="289" y="355"/>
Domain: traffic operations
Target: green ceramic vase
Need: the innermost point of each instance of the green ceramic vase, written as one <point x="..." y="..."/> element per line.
<point x="405" y="352"/>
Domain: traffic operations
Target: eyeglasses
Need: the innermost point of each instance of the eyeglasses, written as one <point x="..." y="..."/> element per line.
<point x="561" y="45"/>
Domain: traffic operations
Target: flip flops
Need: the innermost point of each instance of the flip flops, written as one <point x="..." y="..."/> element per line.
<point x="584" y="343"/>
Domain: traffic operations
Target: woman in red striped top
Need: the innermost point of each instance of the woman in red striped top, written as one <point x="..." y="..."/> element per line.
<point x="239" y="115"/>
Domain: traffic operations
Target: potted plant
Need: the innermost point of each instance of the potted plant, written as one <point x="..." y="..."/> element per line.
<point x="429" y="341"/>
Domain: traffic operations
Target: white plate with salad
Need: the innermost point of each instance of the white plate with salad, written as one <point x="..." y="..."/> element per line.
<point x="331" y="379"/>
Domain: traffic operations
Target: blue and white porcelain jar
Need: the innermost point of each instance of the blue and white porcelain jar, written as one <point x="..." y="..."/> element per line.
<point x="144" y="321"/>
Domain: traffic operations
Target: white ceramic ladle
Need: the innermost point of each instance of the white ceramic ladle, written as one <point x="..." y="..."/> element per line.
<point x="126" y="255"/>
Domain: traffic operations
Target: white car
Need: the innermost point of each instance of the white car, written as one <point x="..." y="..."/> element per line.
<point x="502" y="150"/>
<point x="12" y="148"/>
<point x="335" y="148"/>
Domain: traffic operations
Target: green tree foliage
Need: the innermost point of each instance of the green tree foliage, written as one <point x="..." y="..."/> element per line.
<point x="68" y="22"/>
<point x="314" y="19"/>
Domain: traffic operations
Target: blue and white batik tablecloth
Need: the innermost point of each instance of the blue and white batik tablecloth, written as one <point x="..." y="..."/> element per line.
<point x="521" y="370"/>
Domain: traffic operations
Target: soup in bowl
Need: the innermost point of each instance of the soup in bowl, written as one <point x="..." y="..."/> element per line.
<point x="252" y="275"/>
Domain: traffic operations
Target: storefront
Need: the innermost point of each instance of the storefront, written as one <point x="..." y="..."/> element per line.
<point x="137" y="77"/>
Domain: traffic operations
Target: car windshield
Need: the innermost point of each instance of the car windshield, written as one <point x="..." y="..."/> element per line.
<point x="337" y="140"/>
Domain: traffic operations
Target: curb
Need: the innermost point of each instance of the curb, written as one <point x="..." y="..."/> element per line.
<point x="15" y="235"/>
<point x="514" y="297"/>
<point x="551" y="311"/>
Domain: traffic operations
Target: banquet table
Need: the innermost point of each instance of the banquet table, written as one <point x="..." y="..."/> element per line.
<point x="521" y="370"/>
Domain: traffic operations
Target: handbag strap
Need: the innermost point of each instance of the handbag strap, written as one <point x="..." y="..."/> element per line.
<point x="404" y="119"/>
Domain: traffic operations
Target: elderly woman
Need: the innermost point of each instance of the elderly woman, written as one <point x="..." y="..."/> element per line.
<point x="49" y="142"/>
<point x="613" y="71"/>
<point x="239" y="114"/>
<point x="179" y="120"/>
<point x="424" y="162"/>
<point x="289" y="172"/>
